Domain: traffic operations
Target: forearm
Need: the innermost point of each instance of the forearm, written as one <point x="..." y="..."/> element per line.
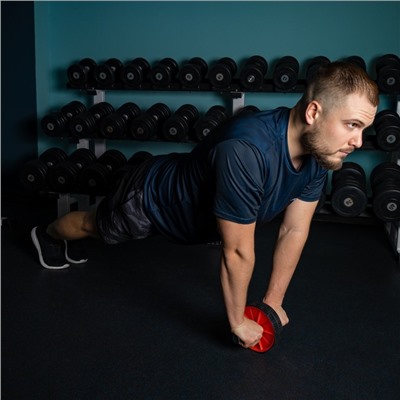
<point x="236" y="272"/>
<point x="288" y="249"/>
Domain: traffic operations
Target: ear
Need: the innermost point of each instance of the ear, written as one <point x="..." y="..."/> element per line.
<point x="313" y="111"/>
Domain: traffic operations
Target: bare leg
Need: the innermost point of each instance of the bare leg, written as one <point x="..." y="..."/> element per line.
<point x="74" y="225"/>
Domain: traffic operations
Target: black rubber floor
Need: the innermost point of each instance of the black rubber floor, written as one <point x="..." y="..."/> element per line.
<point x="145" y="321"/>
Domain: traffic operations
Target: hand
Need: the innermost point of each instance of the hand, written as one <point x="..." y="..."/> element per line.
<point x="248" y="332"/>
<point x="279" y="311"/>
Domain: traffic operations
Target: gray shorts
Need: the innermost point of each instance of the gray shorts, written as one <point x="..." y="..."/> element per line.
<point x="120" y="216"/>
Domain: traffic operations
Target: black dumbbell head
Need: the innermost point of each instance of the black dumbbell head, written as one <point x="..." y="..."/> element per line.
<point x="286" y="73"/>
<point x="53" y="156"/>
<point x="112" y="159"/>
<point x="222" y="73"/>
<point x="313" y="66"/>
<point x="164" y="72"/>
<point x="349" y="191"/>
<point x="388" y="73"/>
<point x="55" y="124"/>
<point x="108" y="73"/>
<point x="135" y="72"/>
<point x="387" y="129"/>
<point x="253" y="72"/>
<point x="192" y="73"/>
<point x="384" y="171"/>
<point x="33" y="175"/>
<point x="81" y="74"/>
<point x="356" y="60"/>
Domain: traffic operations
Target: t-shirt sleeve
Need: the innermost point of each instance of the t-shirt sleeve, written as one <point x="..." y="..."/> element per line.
<point x="240" y="174"/>
<point x="313" y="190"/>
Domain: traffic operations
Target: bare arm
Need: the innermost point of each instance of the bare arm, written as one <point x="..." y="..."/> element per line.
<point x="237" y="265"/>
<point x="292" y="237"/>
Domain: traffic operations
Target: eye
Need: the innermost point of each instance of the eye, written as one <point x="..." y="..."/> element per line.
<point x="353" y="125"/>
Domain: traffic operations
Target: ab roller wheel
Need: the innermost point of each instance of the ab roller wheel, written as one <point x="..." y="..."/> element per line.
<point x="265" y="316"/>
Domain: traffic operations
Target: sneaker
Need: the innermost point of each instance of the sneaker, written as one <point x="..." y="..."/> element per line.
<point x="75" y="252"/>
<point x="51" y="251"/>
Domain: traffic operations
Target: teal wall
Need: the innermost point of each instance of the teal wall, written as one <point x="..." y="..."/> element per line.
<point x="18" y="92"/>
<point x="69" y="31"/>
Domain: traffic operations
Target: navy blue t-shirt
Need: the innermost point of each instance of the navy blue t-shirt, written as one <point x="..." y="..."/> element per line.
<point x="242" y="172"/>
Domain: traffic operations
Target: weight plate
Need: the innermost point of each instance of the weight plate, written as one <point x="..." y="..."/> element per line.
<point x="190" y="75"/>
<point x="200" y="62"/>
<point x="386" y="204"/>
<point x="252" y="77"/>
<point x="53" y="156"/>
<point x="33" y="175"/>
<point x="384" y="171"/>
<point x="349" y="201"/>
<point x="314" y="64"/>
<point x="356" y="60"/>
<point x="94" y="179"/>
<point x="104" y="75"/>
<point x="388" y="139"/>
<point x="387" y="59"/>
<point x="389" y="79"/>
<point x="62" y="177"/>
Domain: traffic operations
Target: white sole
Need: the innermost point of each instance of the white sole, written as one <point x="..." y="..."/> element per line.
<point x="37" y="245"/>
<point x="83" y="260"/>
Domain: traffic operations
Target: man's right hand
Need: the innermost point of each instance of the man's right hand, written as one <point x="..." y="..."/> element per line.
<point x="248" y="332"/>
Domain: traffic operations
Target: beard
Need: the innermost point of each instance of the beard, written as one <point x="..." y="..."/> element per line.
<point x="311" y="144"/>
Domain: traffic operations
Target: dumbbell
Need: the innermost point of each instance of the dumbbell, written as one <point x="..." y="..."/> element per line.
<point x="95" y="179"/>
<point x="265" y="316"/>
<point x="115" y="126"/>
<point x="356" y="60"/>
<point x="253" y="72"/>
<point x="193" y="73"/>
<point x="85" y="125"/>
<point x="34" y="173"/>
<point x="387" y="129"/>
<point x="164" y="72"/>
<point x="349" y="190"/>
<point x="177" y="127"/>
<point x="314" y="65"/>
<point x="62" y="178"/>
<point x="108" y="73"/>
<point x="56" y="123"/>
<point x="385" y="184"/>
<point x="135" y="72"/>
<point x="147" y="125"/>
<point x="286" y="74"/>
<point x="81" y="75"/>
<point x="247" y="110"/>
<point x="222" y="73"/>
<point x="211" y="119"/>
<point x="388" y="73"/>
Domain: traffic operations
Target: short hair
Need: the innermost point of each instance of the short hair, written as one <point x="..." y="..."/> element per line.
<point x="333" y="81"/>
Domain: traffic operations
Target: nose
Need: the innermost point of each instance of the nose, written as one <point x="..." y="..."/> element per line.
<point x="357" y="139"/>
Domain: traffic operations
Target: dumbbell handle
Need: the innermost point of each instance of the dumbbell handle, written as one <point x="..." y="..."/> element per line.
<point x="265" y="316"/>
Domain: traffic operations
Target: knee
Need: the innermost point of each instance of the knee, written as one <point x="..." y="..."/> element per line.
<point x="89" y="224"/>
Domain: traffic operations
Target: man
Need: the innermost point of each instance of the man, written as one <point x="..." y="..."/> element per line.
<point x="247" y="172"/>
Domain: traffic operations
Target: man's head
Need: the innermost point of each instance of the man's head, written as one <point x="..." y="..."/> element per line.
<point x="338" y="104"/>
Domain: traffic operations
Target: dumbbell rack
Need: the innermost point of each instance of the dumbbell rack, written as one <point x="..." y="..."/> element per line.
<point x="98" y="146"/>
<point x="393" y="229"/>
<point x="83" y="202"/>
